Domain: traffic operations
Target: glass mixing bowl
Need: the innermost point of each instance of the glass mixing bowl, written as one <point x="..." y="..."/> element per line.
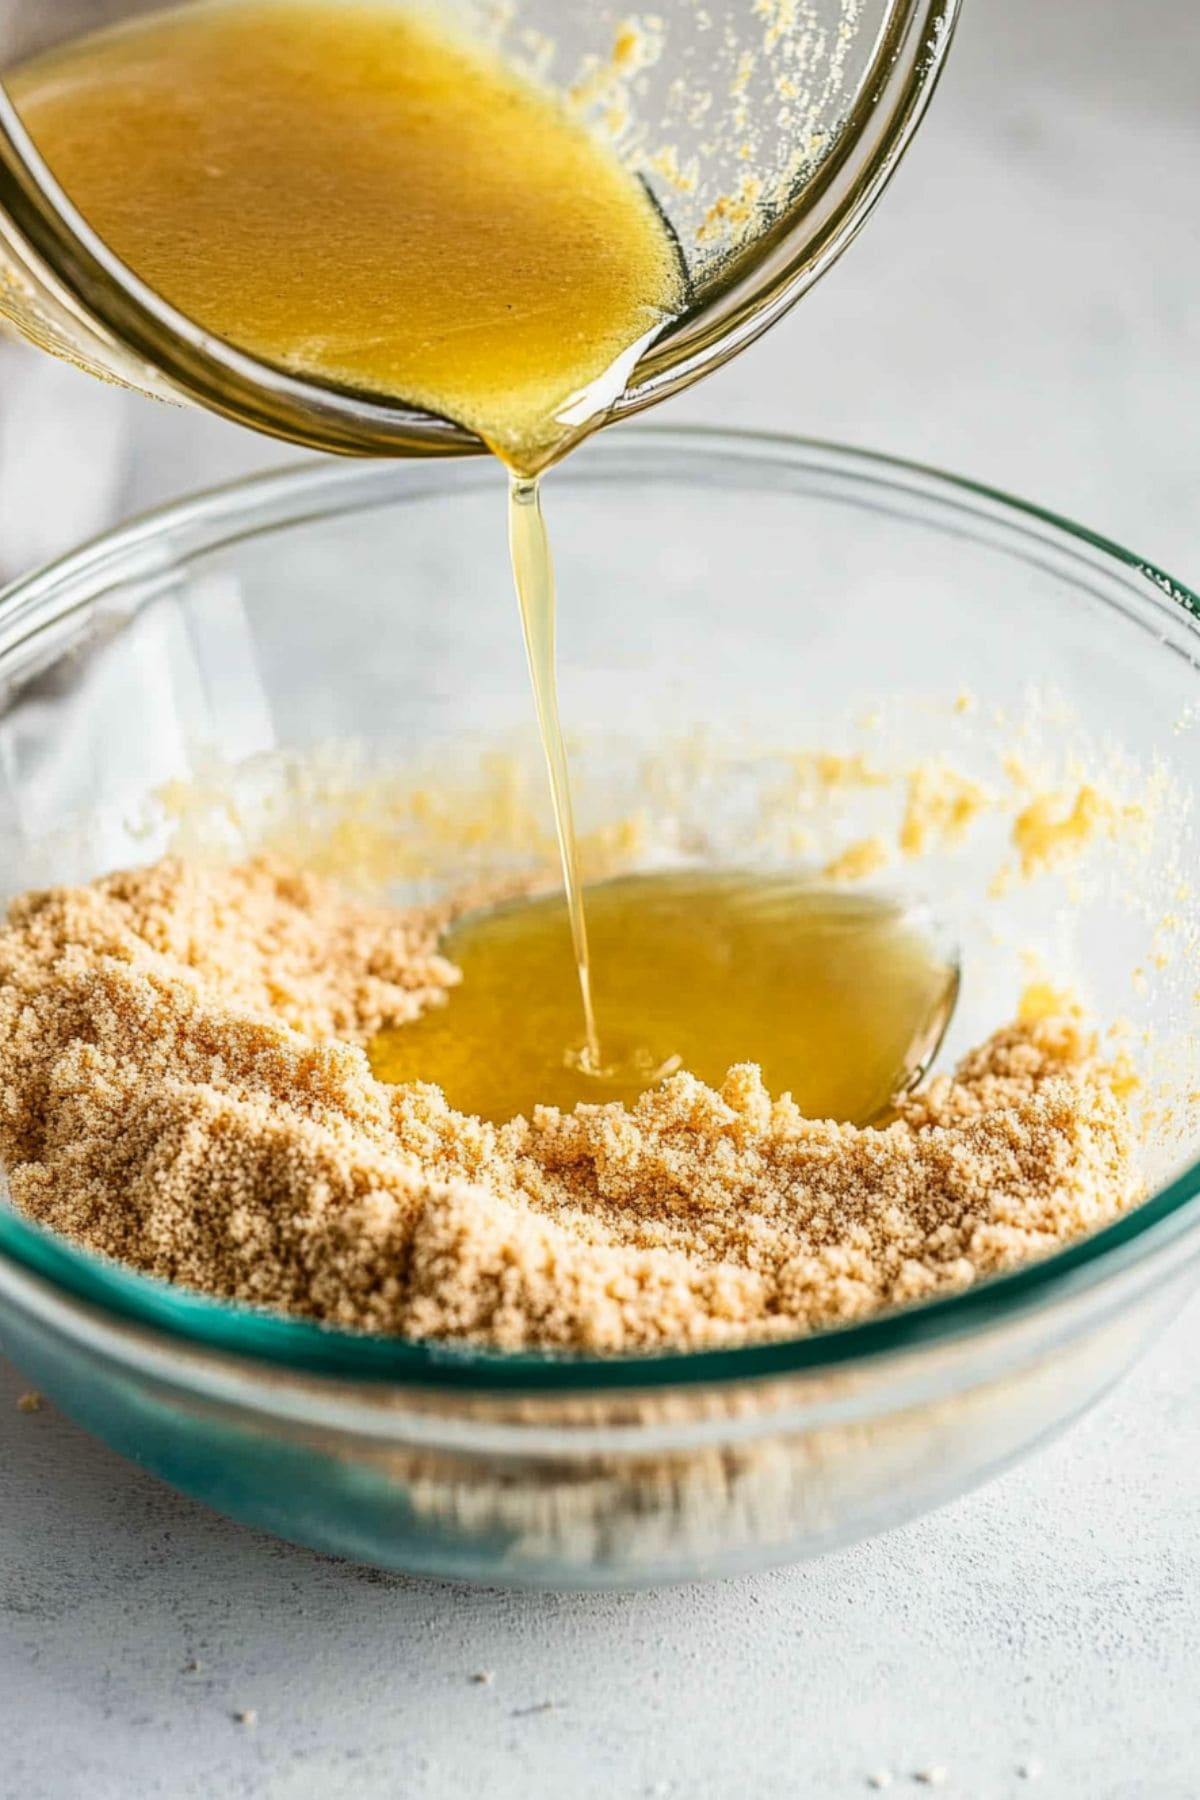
<point x="771" y="651"/>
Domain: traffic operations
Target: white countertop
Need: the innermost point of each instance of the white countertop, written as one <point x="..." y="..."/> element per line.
<point x="1025" y="308"/>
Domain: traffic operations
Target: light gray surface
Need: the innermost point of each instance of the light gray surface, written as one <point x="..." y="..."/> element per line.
<point x="1053" y="1616"/>
<point x="1024" y="308"/>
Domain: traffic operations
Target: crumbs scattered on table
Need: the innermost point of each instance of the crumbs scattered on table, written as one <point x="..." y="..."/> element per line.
<point x="30" y="1403"/>
<point x="483" y="1677"/>
<point x="247" y="1716"/>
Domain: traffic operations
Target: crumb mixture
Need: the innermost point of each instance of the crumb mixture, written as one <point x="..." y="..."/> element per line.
<point x="185" y="1089"/>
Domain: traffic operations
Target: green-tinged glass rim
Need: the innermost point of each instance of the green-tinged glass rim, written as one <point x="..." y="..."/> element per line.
<point x="273" y="500"/>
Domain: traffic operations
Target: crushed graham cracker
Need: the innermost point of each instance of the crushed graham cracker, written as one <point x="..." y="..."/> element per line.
<point x="186" y="1090"/>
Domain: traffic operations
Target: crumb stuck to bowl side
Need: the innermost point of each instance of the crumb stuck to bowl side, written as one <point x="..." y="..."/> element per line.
<point x="187" y="1092"/>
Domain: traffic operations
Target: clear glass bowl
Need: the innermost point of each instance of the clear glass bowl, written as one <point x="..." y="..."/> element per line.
<point x="289" y="660"/>
<point x="789" y="120"/>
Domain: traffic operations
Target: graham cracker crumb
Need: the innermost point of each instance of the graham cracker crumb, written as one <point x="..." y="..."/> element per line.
<point x="186" y="1090"/>
<point x="857" y="860"/>
<point x="1052" y="829"/>
<point x="30" y="1403"/>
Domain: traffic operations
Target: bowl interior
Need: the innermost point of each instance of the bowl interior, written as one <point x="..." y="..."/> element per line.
<point x="772" y="653"/>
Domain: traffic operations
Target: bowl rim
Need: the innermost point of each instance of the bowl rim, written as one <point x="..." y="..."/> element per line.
<point x="1152" y="1229"/>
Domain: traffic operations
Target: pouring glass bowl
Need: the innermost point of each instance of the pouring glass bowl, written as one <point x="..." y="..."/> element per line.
<point x="766" y="135"/>
<point x="774" y="590"/>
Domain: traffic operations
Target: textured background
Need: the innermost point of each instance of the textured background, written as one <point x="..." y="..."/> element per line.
<point x="1024" y="309"/>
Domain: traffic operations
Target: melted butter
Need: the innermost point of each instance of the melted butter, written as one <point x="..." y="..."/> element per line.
<point x="533" y="572"/>
<point x="840" y="998"/>
<point x="352" y="193"/>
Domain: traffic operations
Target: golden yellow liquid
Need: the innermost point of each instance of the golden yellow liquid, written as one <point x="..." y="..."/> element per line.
<point x="840" y="998"/>
<point x="533" y="571"/>
<point x="354" y="195"/>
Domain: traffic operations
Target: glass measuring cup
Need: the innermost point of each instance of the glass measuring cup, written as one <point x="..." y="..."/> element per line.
<point x="766" y="130"/>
